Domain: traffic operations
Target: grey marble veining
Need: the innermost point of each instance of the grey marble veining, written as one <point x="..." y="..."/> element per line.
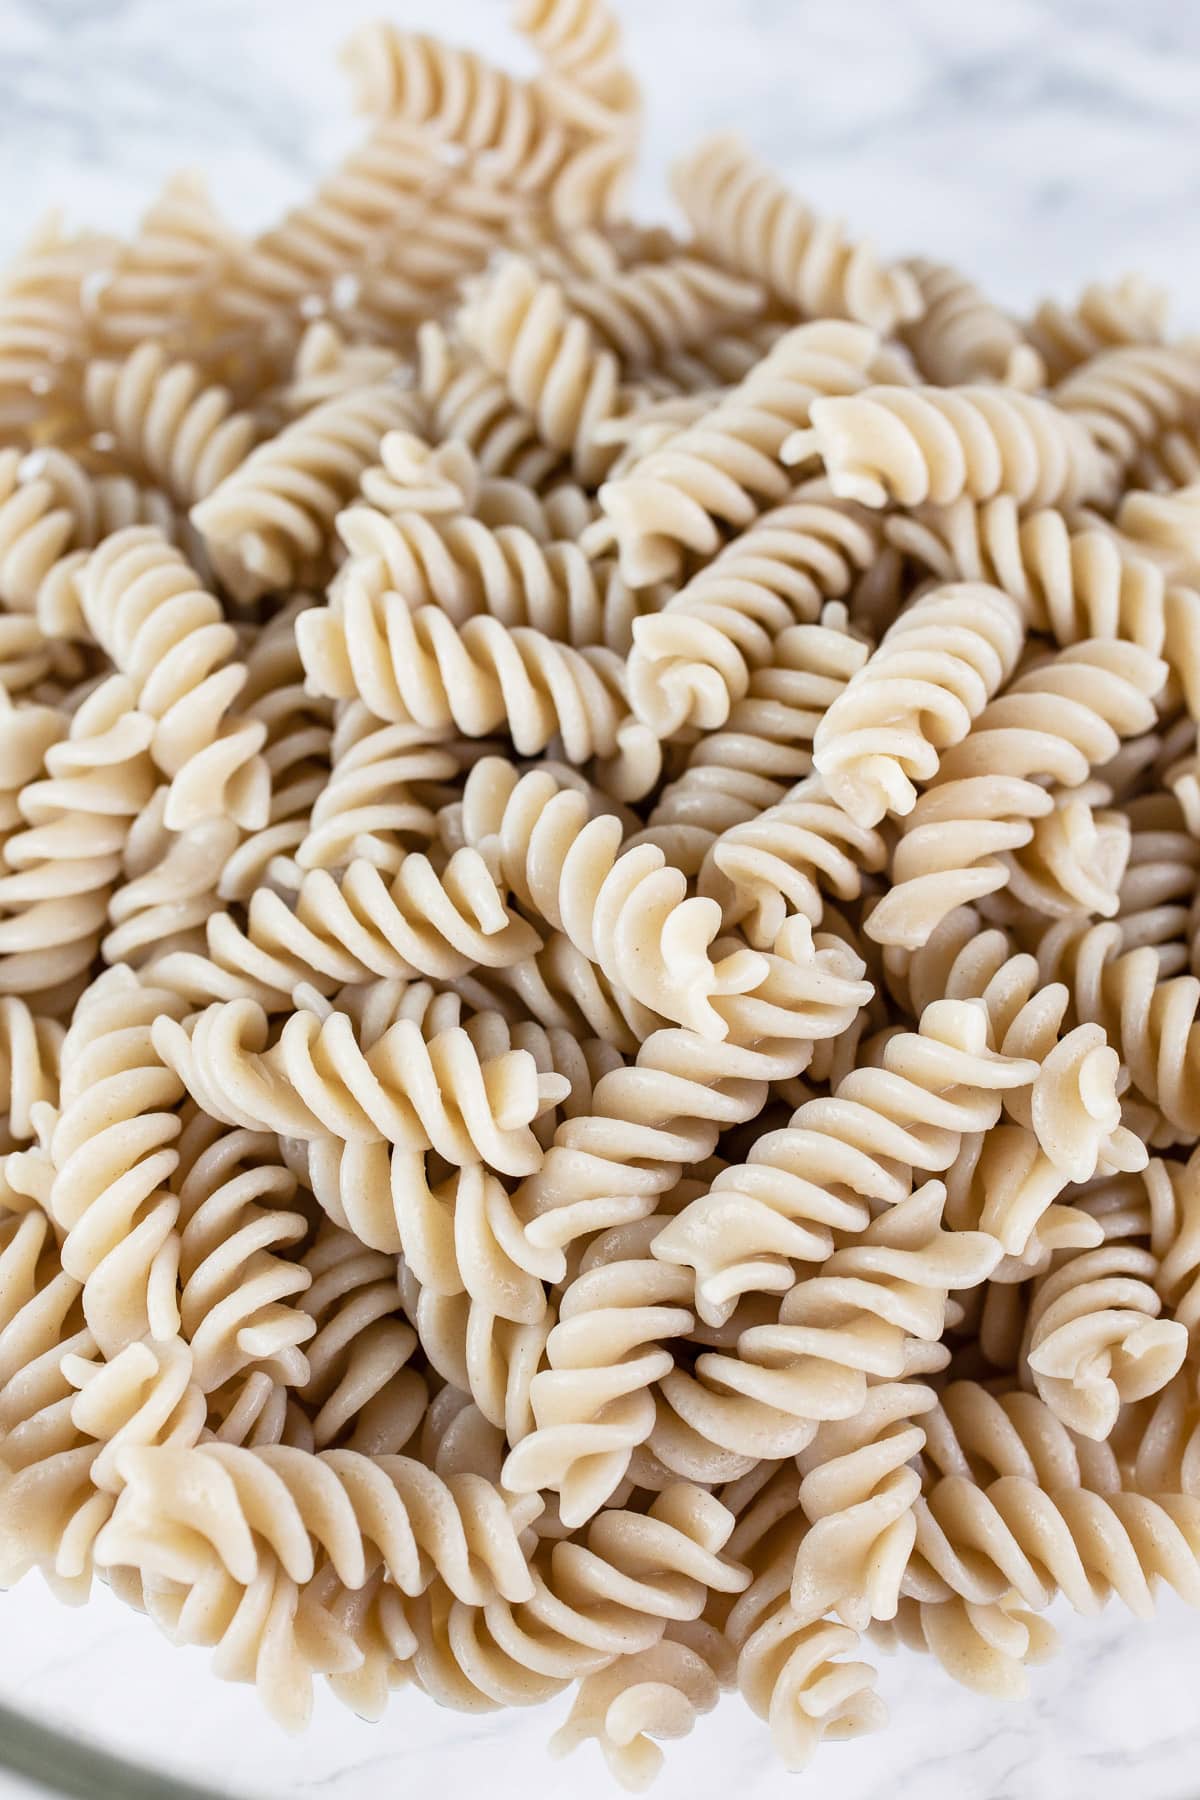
<point x="1038" y="143"/>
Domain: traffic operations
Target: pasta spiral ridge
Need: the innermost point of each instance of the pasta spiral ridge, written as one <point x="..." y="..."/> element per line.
<point x="180" y="243"/>
<point x="608" y="1593"/>
<point x="840" y="1156"/>
<point x="1127" y="397"/>
<point x="608" y="1167"/>
<point x="275" y="511"/>
<point x="1094" y="1340"/>
<point x="1076" y="584"/>
<point x="693" y="661"/>
<point x="744" y="214"/>
<point x="239" y="1288"/>
<point x="735" y="774"/>
<point x="961" y="336"/>
<point x="727" y="467"/>
<point x="418" y="667"/>
<point x="468" y="568"/>
<point x="1128" y="311"/>
<point x="780" y="862"/>
<point x="570" y="871"/>
<point x="147" y="609"/>
<point x="61" y="868"/>
<point x="414" y="1089"/>
<point x="915" y="444"/>
<point x="1058" y="720"/>
<point x="932" y="674"/>
<point x="180" y="430"/>
<point x="112" y="1147"/>
<point x="526" y="332"/>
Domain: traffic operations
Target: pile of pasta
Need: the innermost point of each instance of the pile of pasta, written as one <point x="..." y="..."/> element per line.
<point x="600" y="833"/>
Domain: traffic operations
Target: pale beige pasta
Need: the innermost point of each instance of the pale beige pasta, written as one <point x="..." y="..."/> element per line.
<point x="415" y="1089"/>
<point x="961" y="336"/>
<point x="599" y="843"/>
<point x="695" y="659"/>
<point x="1128" y="397"/>
<point x="932" y="674"/>
<point x="913" y="444"/>
<point x="727" y="468"/>
<point x="64" y="859"/>
<point x="416" y="667"/>
<point x="1059" y="721"/>
<point x="1073" y="583"/>
<point x="275" y="510"/>
<point x="43" y="328"/>
<point x="735" y="774"/>
<point x="741" y="1236"/>
<point x="112" y="1150"/>
<point x="1129" y="311"/>
<point x="526" y="332"/>
<point x="745" y="215"/>
<point x="168" y="422"/>
<point x="147" y="609"/>
<point x="180" y="244"/>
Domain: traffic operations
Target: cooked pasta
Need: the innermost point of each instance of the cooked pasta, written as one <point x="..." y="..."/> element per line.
<point x="599" y="930"/>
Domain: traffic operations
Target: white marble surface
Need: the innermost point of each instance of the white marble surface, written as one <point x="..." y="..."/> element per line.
<point x="1038" y="143"/>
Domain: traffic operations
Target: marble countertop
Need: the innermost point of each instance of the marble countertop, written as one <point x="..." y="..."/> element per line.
<point x="1037" y="144"/>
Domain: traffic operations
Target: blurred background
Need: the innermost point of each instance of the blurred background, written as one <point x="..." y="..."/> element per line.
<point x="1037" y="144"/>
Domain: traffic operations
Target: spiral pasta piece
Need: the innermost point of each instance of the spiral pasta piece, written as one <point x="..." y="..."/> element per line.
<point x="457" y="96"/>
<point x="986" y="1647"/>
<point x="1127" y="397"/>
<point x="570" y="870"/>
<point x="649" y="1694"/>
<point x="170" y="423"/>
<point x="1059" y="720"/>
<point x="609" y="1167"/>
<point x="525" y="331"/>
<point x="652" y="310"/>
<point x="470" y="405"/>
<point x="857" y="1491"/>
<point x="1129" y="311"/>
<point x="43" y="329"/>
<point x="745" y="215"/>
<point x="246" y="1506"/>
<point x="694" y="660"/>
<point x="180" y="243"/>
<point x="49" y="1513"/>
<point x="416" y="1090"/>
<point x="961" y="336"/>
<point x="609" y="1593"/>
<point x="60" y="869"/>
<point x="932" y="675"/>
<point x="1075" y="584"/>
<point x="915" y="444"/>
<point x="726" y="469"/>
<point x="981" y="1541"/>
<point x="146" y="608"/>
<point x="780" y="862"/>
<point x="360" y="1391"/>
<point x="112" y="1150"/>
<point x="274" y="512"/>
<point x="1094" y="1340"/>
<point x="877" y="1308"/>
<point x="350" y="928"/>
<point x="733" y="775"/>
<point x="788" y="1668"/>
<point x="468" y="568"/>
<point x="1149" y="1021"/>
<point x="862" y="1146"/>
<point x="238" y="1285"/>
<point x="418" y="667"/>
